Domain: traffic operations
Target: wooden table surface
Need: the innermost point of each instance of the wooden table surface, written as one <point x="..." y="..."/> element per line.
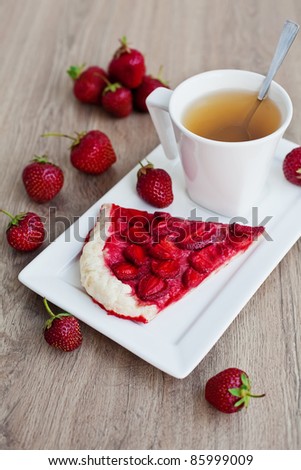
<point x="101" y="396"/>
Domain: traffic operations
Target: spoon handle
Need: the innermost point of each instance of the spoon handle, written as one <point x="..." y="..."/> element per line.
<point x="288" y="34"/>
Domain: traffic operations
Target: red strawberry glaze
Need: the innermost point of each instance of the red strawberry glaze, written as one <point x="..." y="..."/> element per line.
<point x="179" y="253"/>
<point x="139" y="319"/>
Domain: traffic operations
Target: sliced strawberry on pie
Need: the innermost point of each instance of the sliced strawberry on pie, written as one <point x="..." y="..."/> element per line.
<point x="134" y="263"/>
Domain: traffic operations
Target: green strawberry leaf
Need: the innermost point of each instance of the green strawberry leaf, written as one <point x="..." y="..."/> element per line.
<point x="240" y="402"/>
<point x="111" y="87"/>
<point x="245" y="380"/>
<point x="60" y="315"/>
<point x="235" y="392"/>
<point x="40" y="159"/>
<point x="75" y="70"/>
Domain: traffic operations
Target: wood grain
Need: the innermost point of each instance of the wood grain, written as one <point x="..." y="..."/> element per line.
<point x="102" y="396"/>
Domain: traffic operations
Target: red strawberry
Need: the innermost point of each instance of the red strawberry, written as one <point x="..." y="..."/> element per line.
<point x="151" y="287"/>
<point x="62" y="331"/>
<point x="117" y="100"/>
<point x="292" y="166"/>
<point x="166" y="269"/>
<point x="149" y="84"/>
<point x="191" y="278"/>
<point x="138" y="234"/>
<point x="125" y="271"/>
<point x="25" y="231"/>
<point x="135" y="254"/>
<point x="88" y="84"/>
<point x="42" y="180"/>
<point x="154" y="185"/>
<point x="208" y="258"/>
<point x="164" y="249"/>
<point x="229" y="391"/>
<point x="200" y="236"/>
<point x="91" y="152"/>
<point x="127" y="66"/>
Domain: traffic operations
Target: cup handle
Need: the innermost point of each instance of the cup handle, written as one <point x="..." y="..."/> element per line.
<point x="158" y="103"/>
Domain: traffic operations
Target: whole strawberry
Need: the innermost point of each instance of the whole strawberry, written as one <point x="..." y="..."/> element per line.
<point x="127" y="66"/>
<point x="117" y="100"/>
<point x="229" y="391"/>
<point x="88" y="84"/>
<point x="62" y="331"/>
<point x="42" y="180"/>
<point x="149" y="84"/>
<point x="292" y="166"/>
<point x="25" y="231"/>
<point x="154" y="185"/>
<point x="91" y="152"/>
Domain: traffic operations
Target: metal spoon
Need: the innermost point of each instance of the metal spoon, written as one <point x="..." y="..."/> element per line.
<point x="241" y="132"/>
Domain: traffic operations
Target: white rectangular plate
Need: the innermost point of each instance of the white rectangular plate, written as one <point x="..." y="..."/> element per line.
<point x="182" y="334"/>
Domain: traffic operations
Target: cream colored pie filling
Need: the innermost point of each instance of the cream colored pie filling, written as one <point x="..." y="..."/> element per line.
<point x="135" y="263"/>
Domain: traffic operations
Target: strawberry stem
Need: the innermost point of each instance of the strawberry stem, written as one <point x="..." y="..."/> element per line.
<point x="144" y="168"/>
<point x="52" y="315"/>
<point x="110" y="86"/>
<point x="256" y="396"/>
<point x="48" y="308"/>
<point x="12" y="217"/>
<point x="58" y="134"/>
<point x="124" y="48"/>
<point x="75" y="140"/>
<point x="123" y="41"/>
<point x="103" y="78"/>
<point x="124" y="44"/>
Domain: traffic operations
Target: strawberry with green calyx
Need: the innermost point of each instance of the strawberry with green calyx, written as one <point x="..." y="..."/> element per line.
<point x="25" y="231"/>
<point x="91" y="152"/>
<point x="88" y="84"/>
<point x="127" y="66"/>
<point x="154" y="185"/>
<point x="149" y="84"/>
<point x="62" y="330"/>
<point x="42" y="179"/>
<point x="229" y="391"/>
<point x="117" y="99"/>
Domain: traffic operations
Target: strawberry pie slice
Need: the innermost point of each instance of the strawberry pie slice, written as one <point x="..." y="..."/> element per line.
<point x="134" y="263"/>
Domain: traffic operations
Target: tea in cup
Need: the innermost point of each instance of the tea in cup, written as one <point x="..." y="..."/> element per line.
<point x="200" y="121"/>
<point x="225" y="115"/>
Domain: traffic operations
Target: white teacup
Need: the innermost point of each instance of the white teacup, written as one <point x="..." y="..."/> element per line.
<point x="225" y="177"/>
